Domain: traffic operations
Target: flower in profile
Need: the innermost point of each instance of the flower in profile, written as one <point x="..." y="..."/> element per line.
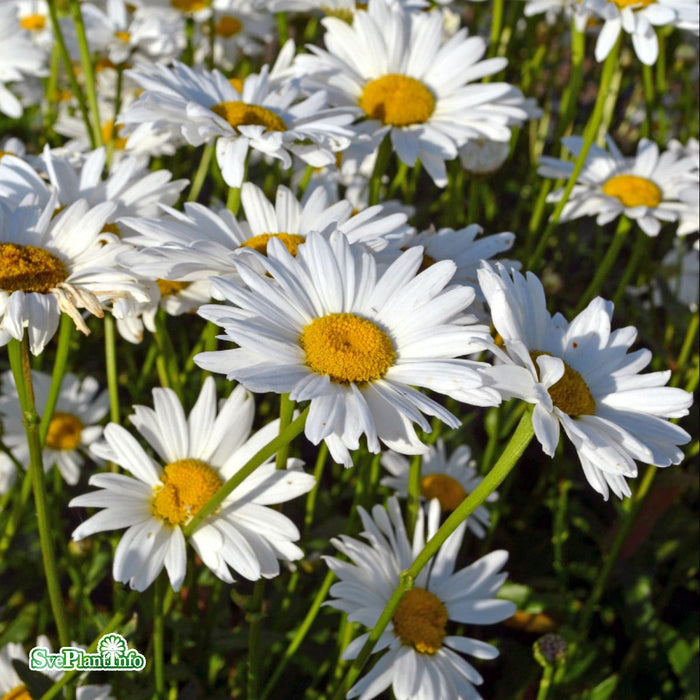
<point x="408" y="80"/>
<point x="323" y="326"/>
<point x="197" y="454"/>
<point x="420" y="659"/>
<point x="57" y="263"/>
<point x="581" y="377"/>
<point x="73" y="427"/>
<point x="448" y="479"/>
<point x="646" y="188"/>
<point x="638" y="18"/>
<point x="203" y="106"/>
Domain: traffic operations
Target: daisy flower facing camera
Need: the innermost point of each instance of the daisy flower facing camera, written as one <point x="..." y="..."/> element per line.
<point x="421" y="660"/>
<point x="646" y="188"/>
<point x="322" y="326"/>
<point x="581" y="377"/>
<point x="407" y="79"/>
<point x="197" y="454"/>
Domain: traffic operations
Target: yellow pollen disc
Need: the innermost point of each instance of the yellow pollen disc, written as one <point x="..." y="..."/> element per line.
<point x="397" y="100"/>
<point x="108" y="133"/>
<point x="228" y="26"/>
<point x="189" y="5"/>
<point x="29" y="269"/>
<point x="291" y="242"/>
<point x="169" y="287"/>
<point x="18" y="693"/>
<point x="420" y="620"/>
<point x="241" y="114"/>
<point x="64" y="433"/>
<point x="187" y="485"/>
<point x="570" y="394"/>
<point x="104" y="64"/>
<point x="123" y="36"/>
<point x="347" y="348"/>
<point x="111" y="228"/>
<point x="34" y="23"/>
<point x="345" y="14"/>
<point x="447" y="490"/>
<point x="633" y="191"/>
<point x="627" y="3"/>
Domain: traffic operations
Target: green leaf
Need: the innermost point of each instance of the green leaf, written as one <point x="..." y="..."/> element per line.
<point x="604" y="690"/>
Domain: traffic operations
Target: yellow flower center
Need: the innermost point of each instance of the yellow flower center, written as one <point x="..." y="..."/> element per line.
<point x="29" y="269"/>
<point x="18" y="693"/>
<point x="345" y="14"/>
<point x="633" y="191"/>
<point x="34" y="23"/>
<point x="228" y="26"/>
<point x="186" y="486"/>
<point x="420" y="620"/>
<point x="238" y="113"/>
<point x="64" y="433"/>
<point x="291" y="242"/>
<point x="108" y="133"/>
<point x="237" y="84"/>
<point x="627" y="3"/>
<point x="570" y="394"/>
<point x="112" y="228"/>
<point x="189" y="5"/>
<point x="169" y="287"/>
<point x="347" y="348"/>
<point x="123" y="36"/>
<point x="398" y="100"/>
<point x="447" y="490"/>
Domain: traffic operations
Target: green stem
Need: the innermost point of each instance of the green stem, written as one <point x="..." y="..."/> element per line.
<point x="610" y="67"/>
<point x="15" y="514"/>
<point x="286" y="413"/>
<point x="255" y="618"/>
<point x="262" y="455"/>
<point x="68" y="63"/>
<point x="649" y="99"/>
<point x="167" y="357"/>
<point x="300" y="634"/>
<point x="639" y="250"/>
<point x="603" y="269"/>
<point x="233" y="201"/>
<point x="545" y="683"/>
<point x="686" y="349"/>
<point x="321" y="458"/>
<point x="111" y="368"/>
<point x="508" y="459"/>
<point x="496" y="26"/>
<point x="569" y="100"/>
<point x="65" y="336"/>
<point x="413" y="500"/>
<point x="158" y="646"/>
<point x="380" y="166"/>
<point x="88" y="72"/>
<point x="111" y="626"/>
<point x="21" y="370"/>
<point x="201" y="174"/>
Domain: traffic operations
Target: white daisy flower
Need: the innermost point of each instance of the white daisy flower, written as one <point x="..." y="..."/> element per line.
<point x="204" y="106"/>
<point x="422" y="660"/>
<point x="581" y="377"/>
<point x="645" y="188"/>
<point x="50" y="264"/>
<point x="196" y="455"/>
<point x="400" y="71"/>
<point x="12" y="686"/>
<point x="638" y="18"/>
<point x="323" y="326"/>
<point x="449" y="480"/>
<point x="73" y="427"/>
<point x="19" y="59"/>
<point x="680" y="270"/>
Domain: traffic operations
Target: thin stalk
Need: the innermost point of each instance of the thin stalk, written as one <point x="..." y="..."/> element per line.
<point x="111" y="368"/>
<point x="65" y="335"/>
<point x="201" y="174"/>
<point x="286" y="413"/>
<point x="68" y="63"/>
<point x="300" y="634"/>
<point x="569" y="99"/>
<point x="112" y="625"/>
<point x="263" y="454"/>
<point x="158" y="646"/>
<point x="88" y="72"/>
<point x="15" y="514"/>
<point x="167" y="355"/>
<point x="21" y="370"/>
<point x="233" y="201"/>
<point x="509" y="458"/>
<point x="380" y="166"/>
<point x="686" y="349"/>
<point x="649" y="99"/>
<point x="52" y="88"/>
<point x="321" y="458"/>
<point x="255" y="618"/>
<point x="545" y="683"/>
<point x="413" y="500"/>
<point x="639" y="251"/>
<point x="610" y="68"/>
<point x="603" y="269"/>
<point x="496" y="26"/>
